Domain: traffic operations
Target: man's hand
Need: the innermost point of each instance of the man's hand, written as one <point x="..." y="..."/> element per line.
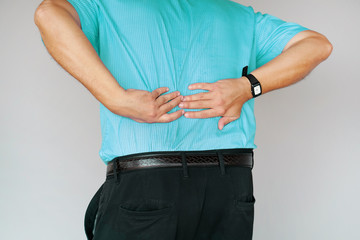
<point x="150" y="107"/>
<point x="224" y="98"/>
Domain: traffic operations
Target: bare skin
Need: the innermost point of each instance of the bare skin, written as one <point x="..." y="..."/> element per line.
<point x="226" y="97"/>
<point x="60" y="28"/>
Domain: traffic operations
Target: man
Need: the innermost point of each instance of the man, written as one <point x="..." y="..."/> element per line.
<point x="179" y="164"/>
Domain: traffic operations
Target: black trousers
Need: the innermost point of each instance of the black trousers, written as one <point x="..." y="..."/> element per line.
<point x="161" y="204"/>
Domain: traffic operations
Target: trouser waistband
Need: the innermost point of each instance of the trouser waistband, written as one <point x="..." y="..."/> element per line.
<point x="221" y="157"/>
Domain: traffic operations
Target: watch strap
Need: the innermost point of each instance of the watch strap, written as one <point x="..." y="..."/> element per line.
<point x="245" y="71"/>
<point x="255" y="85"/>
<point x="252" y="79"/>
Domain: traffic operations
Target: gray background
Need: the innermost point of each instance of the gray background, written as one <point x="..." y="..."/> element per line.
<point x="306" y="165"/>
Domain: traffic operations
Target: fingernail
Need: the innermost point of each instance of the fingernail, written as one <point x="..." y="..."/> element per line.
<point x="181" y="105"/>
<point x="178" y="93"/>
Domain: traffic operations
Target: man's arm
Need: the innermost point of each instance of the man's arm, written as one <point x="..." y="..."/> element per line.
<point x="60" y="29"/>
<point x="226" y="97"/>
<point x="300" y="56"/>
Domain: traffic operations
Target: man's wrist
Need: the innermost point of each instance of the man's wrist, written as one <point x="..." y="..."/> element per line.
<point x="245" y="88"/>
<point x="117" y="101"/>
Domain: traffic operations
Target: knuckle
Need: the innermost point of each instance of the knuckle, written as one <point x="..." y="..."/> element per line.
<point x="217" y="95"/>
<point x="152" y="113"/>
<point x="217" y="102"/>
<point x="150" y="97"/>
<point x="215" y="86"/>
<point x="221" y="111"/>
<point x="221" y="101"/>
<point x="149" y="116"/>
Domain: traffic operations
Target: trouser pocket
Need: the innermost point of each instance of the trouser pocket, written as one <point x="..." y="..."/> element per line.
<point x="143" y="219"/>
<point x="140" y="207"/>
<point x="240" y="218"/>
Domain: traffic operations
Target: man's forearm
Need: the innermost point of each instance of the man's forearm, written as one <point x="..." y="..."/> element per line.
<point x="69" y="46"/>
<point x="297" y="60"/>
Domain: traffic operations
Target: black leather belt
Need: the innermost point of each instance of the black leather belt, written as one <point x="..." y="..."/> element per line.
<point x="235" y="156"/>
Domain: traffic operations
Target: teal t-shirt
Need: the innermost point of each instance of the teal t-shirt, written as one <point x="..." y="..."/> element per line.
<point x="174" y="43"/>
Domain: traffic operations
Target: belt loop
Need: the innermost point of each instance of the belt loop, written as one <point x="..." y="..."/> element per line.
<point x="115" y="170"/>
<point x="252" y="159"/>
<point x="221" y="161"/>
<point x="183" y="157"/>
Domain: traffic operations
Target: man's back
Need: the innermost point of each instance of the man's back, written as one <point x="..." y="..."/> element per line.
<point x="191" y="177"/>
<point x="151" y="44"/>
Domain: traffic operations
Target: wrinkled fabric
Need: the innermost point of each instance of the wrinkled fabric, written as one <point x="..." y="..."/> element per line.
<point x="174" y="43"/>
<point x="160" y="204"/>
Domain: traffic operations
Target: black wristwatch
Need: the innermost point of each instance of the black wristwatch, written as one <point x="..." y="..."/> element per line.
<point x="255" y="85"/>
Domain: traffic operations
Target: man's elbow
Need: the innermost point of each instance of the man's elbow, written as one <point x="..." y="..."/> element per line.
<point x="41" y="11"/>
<point x="50" y="9"/>
<point x="328" y="48"/>
<point x="325" y="46"/>
<point x="320" y="45"/>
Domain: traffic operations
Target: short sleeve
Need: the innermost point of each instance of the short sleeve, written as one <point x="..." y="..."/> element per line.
<point x="88" y="13"/>
<point x="271" y="36"/>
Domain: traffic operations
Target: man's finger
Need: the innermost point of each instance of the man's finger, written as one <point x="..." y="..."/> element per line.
<point x="157" y="92"/>
<point x="166" y="97"/>
<point x="201" y="85"/>
<point x="225" y="120"/>
<point x="169" y="117"/>
<point x="208" y="113"/>
<point x="198" y="96"/>
<point x="170" y="105"/>
<point x="197" y="104"/>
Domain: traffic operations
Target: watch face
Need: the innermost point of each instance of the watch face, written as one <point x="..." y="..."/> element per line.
<point x="257" y="90"/>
